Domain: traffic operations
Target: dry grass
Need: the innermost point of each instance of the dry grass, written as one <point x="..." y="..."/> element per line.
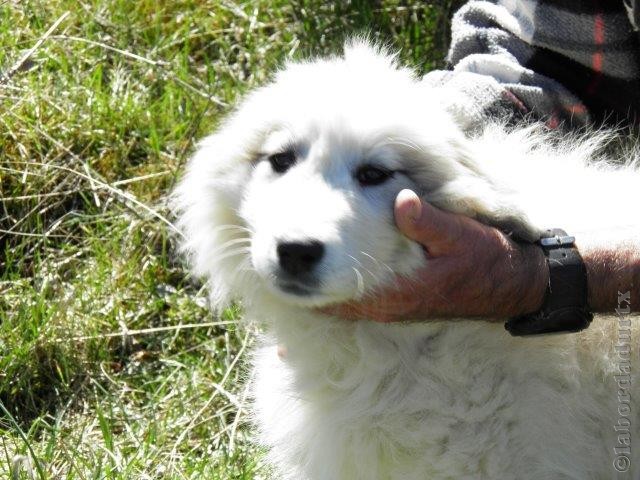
<point x="111" y="365"/>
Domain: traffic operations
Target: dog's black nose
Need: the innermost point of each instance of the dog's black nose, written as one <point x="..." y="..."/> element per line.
<point x="297" y="258"/>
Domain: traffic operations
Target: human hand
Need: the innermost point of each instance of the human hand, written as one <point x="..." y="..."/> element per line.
<point x="471" y="270"/>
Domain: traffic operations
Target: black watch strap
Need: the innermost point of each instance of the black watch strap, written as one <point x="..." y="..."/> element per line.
<point x="565" y="307"/>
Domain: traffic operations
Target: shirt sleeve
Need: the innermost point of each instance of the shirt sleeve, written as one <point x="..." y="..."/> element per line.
<point x="564" y="62"/>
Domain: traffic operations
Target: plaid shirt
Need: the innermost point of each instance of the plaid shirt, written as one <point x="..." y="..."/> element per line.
<point x="567" y="62"/>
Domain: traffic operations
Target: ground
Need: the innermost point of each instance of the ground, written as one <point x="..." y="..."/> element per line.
<point x="111" y="365"/>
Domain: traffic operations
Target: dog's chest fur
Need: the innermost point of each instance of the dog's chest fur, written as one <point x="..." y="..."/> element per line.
<point x="464" y="400"/>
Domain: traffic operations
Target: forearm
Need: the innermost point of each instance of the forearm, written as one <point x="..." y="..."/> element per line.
<point x="519" y="287"/>
<point x="613" y="269"/>
<point x="612" y="272"/>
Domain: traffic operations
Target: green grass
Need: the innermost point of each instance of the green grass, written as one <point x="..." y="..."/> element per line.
<point x="111" y="366"/>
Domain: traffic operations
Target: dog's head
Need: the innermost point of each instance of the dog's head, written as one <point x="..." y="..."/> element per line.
<point x="293" y="196"/>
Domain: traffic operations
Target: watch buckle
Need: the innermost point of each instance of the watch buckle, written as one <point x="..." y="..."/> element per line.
<point x="557" y="241"/>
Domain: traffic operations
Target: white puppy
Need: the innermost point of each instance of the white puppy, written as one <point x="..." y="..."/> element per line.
<point x="289" y="207"/>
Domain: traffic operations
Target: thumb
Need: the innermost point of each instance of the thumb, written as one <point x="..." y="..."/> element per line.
<point x="422" y="222"/>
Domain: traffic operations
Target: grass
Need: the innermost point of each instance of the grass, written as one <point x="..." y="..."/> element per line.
<point x="111" y="366"/>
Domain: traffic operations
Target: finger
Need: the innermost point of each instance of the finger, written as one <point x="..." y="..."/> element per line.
<point x="422" y="222"/>
<point x="353" y="311"/>
<point x="380" y="308"/>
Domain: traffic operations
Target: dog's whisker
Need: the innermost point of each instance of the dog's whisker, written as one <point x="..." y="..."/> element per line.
<point x="374" y="277"/>
<point x="232" y="253"/>
<point x="230" y="243"/>
<point x="373" y="259"/>
<point x="244" y="270"/>
<point x="359" y="280"/>
<point x="231" y="226"/>
<point x="378" y="266"/>
<point x="355" y="259"/>
<point x="367" y="255"/>
<point x="402" y="143"/>
<point x="389" y="269"/>
<point x="379" y="263"/>
<point x="246" y="266"/>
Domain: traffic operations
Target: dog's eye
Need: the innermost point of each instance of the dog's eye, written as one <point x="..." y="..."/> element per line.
<point x="369" y="175"/>
<point x="281" y="162"/>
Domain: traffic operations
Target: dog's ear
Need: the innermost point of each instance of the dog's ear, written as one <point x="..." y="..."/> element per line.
<point x="478" y="198"/>
<point x="468" y="186"/>
<point x="205" y="208"/>
<point x="206" y="201"/>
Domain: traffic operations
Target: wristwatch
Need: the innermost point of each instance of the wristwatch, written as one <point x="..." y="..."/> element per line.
<point x="565" y="308"/>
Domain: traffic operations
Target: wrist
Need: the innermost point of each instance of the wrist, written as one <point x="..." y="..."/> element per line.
<point x="536" y="279"/>
<point x="526" y="280"/>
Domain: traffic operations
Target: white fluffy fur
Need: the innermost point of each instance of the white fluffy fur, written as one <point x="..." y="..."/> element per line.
<point x="360" y="400"/>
